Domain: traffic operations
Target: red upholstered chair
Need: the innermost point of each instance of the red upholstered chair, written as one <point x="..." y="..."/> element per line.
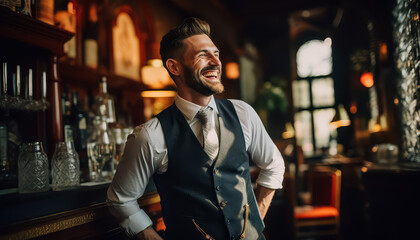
<point x="322" y="217"/>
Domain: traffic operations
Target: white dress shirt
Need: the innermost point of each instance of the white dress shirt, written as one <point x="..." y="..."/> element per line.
<point x="145" y="153"/>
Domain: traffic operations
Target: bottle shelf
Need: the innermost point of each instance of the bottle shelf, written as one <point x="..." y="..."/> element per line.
<point x="88" y="77"/>
<point x="33" y="32"/>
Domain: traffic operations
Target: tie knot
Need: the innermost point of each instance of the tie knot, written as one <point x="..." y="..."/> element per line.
<point x="204" y="115"/>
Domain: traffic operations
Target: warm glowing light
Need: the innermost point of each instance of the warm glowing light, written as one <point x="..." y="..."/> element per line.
<point x="383" y="51"/>
<point x="415" y="16"/>
<point x="306" y="13"/>
<point x="232" y="70"/>
<point x="155" y="63"/>
<point x="353" y="108"/>
<point x="396" y="101"/>
<point x="158" y="94"/>
<point x="289" y="131"/>
<point x="376" y="128"/>
<point x="341" y="118"/>
<point x="155" y="75"/>
<point x="367" y="79"/>
<point x="70" y="8"/>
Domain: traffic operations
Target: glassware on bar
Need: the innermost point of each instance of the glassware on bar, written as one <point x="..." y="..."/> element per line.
<point x="43" y="104"/>
<point x="33" y="171"/>
<point x="16" y="101"/>
<point x="29" y="101"/>
<point x="4" y="98"/>
<point x="101" y="151"/>
<point x="65" y="167"/>
<point x="104" y="102"/>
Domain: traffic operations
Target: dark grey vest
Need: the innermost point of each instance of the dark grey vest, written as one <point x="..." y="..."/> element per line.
<point x="214" y="194"/>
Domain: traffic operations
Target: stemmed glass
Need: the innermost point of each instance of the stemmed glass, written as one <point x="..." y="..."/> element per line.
<point x="29" y="102"/>
<point x="43" y="104"/>
<point x="5" y="100"/>
<point x="101" y="151"/>
<point x="16" y="101"/>
<point x="102" y="154"/>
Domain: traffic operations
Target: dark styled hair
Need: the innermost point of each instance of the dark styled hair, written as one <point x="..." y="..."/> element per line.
<point x="172" y="42"/>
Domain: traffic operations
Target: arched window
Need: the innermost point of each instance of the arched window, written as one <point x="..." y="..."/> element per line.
<point x="313" y="96"/>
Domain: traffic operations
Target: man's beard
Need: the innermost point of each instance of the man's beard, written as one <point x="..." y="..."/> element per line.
<point x="199" y="85"/>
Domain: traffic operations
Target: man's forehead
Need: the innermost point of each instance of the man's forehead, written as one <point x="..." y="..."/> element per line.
<point x="199" y="42"/>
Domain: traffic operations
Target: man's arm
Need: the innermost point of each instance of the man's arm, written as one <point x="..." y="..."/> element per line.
<point x="148" y="234"/>
<point x="130" y="180"/>
<point x="264" y="196"/>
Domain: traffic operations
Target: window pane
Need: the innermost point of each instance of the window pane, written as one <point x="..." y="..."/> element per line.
<point x="300" y="94"/>
<point x="323" y="92"/>
<point x="322" y="120"/>
<point x="303" y="130"/>
<point x="314" y="59"/>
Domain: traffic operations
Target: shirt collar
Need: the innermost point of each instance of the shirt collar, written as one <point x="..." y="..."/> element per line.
<point x="189" y="109"/>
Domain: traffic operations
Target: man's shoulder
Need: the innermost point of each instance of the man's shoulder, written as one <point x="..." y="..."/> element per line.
<point x="240" y="105"/>
<point x="148" y="128"/>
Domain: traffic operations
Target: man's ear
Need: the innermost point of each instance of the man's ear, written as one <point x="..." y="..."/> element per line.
<point x="173" y="67"/>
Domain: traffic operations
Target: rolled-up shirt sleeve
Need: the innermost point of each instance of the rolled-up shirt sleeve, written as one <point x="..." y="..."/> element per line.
<point x="130" y="181"/>
<point x="260" y="147"/>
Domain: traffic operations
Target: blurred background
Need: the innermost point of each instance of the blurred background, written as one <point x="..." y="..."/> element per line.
<point x="335" y="82"/>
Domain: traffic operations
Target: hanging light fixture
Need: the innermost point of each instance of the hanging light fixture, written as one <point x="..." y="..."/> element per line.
<point x="341" y="118"/>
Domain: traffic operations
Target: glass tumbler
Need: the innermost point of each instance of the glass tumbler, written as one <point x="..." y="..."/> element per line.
<point x="33" y="171"/>
<point x="65" y="167"/>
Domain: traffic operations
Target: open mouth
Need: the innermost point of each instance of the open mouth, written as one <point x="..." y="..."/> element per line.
<point x="211" y="75"/>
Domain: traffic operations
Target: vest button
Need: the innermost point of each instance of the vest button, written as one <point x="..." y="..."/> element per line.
<point x="223" y="204"/>
<point x="217" y="188"/>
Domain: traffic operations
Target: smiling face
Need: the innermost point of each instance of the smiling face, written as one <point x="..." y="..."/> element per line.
<point x="201" y="66"/>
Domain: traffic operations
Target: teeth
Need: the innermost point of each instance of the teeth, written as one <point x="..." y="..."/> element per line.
<point x="210" y="74"/>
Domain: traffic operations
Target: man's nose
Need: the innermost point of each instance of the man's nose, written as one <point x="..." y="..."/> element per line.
<point x="214" y="60"/>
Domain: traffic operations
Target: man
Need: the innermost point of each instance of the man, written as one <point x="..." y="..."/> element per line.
<point x="200" y="165"/>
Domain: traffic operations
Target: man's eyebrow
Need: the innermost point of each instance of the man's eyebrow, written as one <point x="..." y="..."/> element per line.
<point x="206" y="51"/>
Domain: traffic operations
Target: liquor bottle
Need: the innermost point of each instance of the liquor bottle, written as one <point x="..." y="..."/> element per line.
<point x="66" y="111"/>
<point x="104" y="102"/>
<point x="65" y="18"/>
<point x="90" y="39"/>
<point x="3" y="155"/>
<point x="45" y="11"/>
<point x="79" y="119"/>
<point x="9" y="150"/>
<point x="9" y="136"/>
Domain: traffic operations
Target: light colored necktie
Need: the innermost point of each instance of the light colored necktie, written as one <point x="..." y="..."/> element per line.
<point x="211" y="141"/>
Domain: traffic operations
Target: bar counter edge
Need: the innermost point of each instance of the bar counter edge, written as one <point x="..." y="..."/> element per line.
<point x="79" y="213"/>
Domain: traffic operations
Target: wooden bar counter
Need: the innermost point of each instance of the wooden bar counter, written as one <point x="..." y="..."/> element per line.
<point x="73" y="214"/>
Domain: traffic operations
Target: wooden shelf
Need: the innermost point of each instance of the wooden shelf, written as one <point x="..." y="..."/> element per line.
<point x="30" y="31"/>
<point x="87" y="77"/>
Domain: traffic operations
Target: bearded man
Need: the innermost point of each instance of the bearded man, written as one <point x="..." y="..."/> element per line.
<point x="198" y="152"/>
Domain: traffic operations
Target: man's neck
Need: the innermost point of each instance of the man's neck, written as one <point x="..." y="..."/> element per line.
<point x="195" y="97"/>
